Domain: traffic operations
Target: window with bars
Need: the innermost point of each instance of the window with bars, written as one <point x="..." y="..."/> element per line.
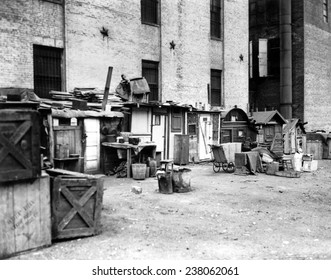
<point x="47" y="69"/>
<point x="149" y="11"/>
<point x="150" y="70"/>
<point x="216" y="88"/>
<point x="215" y="18"/>
<point x="326" y="10"/>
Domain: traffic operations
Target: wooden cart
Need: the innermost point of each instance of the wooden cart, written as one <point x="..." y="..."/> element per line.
<point x="220" y="160"/>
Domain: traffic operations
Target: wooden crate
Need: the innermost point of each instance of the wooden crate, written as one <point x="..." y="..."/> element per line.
<point x="19" y="144"/>
<point x="76" y="206"/>
<point x="25" y="216"/>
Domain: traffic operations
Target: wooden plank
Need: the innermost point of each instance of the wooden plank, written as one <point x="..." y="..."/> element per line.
<point x="106" y="92"/>
<point x="45" y="210"/>
<point x="51" y="138"/>
<point x="66" y="127"/>
<point x="7" y="236"/>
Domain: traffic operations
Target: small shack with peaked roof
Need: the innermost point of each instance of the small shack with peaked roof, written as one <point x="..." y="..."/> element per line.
<point x="270" y="130"/>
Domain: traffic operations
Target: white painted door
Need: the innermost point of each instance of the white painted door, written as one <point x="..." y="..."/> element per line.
<point x="205" y="133"/>
<point x="92" y="149"/>
<point x="159" y="133"/>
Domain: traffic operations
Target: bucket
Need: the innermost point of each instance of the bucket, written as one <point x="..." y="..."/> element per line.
<point x="139" y="171"/>
<point x="182" y="180"/>
<point x="111" y="138"/>
<point x="165" y="182"/>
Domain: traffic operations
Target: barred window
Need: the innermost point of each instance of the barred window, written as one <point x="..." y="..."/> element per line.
<point x="215" y="18"/>
<point x="149" y="11"/>
<point x="47" y="68"/>
<point x="150" y="70"/>
<point x="216" y="88"/>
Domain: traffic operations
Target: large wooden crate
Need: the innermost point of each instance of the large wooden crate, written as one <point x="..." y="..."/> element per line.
<point x="25" y="215"/>
<point x="19" y="144"/>
<point x="76" y="206"/>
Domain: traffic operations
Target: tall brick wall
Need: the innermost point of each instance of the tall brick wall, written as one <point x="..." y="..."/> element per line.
<point x="185" y="71"/>
<point x="317" y="67"/>
<point x="22" y="24"/>
<point x="317" y="78"/>
<point x="236" y="44"/>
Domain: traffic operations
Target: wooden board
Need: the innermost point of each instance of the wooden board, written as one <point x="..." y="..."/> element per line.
<point x="19" y="145"/>
<point x="25" y="216"/>
<point x="76" y="206"/>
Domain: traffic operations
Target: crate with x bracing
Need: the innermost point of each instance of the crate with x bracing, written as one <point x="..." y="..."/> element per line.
<point x="76" y="206"/>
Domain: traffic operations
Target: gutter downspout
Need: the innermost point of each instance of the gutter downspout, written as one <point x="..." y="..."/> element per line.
<point x="285" y="26"/>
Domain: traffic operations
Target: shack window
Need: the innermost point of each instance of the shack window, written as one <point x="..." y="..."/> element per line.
<point x="149" y="11"/>
<point x="176" y="120"/>
<point x="150" y="70"/>
<point x="215" y="18"/>
<point x="216" y="92"/>
<point x="192" y="129"/>
<point x="47" y="69"/>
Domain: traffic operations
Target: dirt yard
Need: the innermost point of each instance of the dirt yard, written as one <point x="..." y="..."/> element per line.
<point x="225" y="216"/>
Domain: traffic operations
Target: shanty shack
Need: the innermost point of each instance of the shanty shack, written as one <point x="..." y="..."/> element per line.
<point x="270" y="130"/>
<point x="236" y="127"/>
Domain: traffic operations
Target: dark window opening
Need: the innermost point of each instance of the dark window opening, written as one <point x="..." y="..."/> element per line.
<point x="176" y="120"/>
<point x="150" y="71"/>
<point x="274" y="57"/>
<point x="252" y="13"/>
<point x="272" y="12"/>
<point x="192" y="129"/>
<point x="149" y="11"/>
<point x="47" y="67"/>
<point x="215" y="18"/>
<point x="216" y="86"/>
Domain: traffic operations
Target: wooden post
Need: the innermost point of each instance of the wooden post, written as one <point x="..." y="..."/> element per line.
<point x="105" y="95"/>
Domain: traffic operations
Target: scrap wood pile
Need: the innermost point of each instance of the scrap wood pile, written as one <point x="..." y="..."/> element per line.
<point x="119" y="171"/>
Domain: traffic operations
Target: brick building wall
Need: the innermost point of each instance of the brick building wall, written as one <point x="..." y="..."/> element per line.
<point x="184" y="71"/>
<point x="317" y="67"/>
<point x="235" y="47"/>
<point x="311" y="72"/>
<point x="22" y="24"/>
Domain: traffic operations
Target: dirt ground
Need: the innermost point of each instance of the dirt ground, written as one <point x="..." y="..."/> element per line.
<point x="225" y="216"/>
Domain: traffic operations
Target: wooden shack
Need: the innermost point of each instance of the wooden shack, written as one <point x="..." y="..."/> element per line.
<point x="236" y="127"/>
<point x="270" y="130"/>
<point x="75" y="138"/>
<point x="294" y="136"/>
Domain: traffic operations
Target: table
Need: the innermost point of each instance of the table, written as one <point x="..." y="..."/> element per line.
<point x="137" y="149"/>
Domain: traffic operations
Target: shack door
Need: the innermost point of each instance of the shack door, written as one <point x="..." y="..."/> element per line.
<point x="205" y="137"/>
<point x="92" y="146"/>
<point x="159" y="133"/>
